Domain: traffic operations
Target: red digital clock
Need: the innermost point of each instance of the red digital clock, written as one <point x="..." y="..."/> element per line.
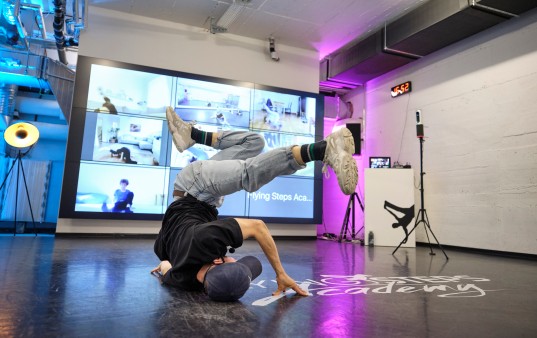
<point x="401" y="89"/>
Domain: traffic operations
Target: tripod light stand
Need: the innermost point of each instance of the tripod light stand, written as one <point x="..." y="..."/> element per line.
<point x="422" y="213"/>
<point x="20" y="136"/>
<point x="345" y="226"/>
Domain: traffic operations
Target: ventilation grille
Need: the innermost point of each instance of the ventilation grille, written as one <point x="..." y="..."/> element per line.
<point x="62" y="83"/>
<point x="37" y="180"/>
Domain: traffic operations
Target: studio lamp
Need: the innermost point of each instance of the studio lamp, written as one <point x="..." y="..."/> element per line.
<point x="21" y="136"/>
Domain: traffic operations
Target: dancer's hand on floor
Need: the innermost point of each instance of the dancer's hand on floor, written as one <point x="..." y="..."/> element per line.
<point x="284" y="282"/>
<point x="162" y="268"/>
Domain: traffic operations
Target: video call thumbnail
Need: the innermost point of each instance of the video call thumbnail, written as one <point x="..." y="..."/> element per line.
<point x="283" y="112"/>
<point x="213" y="103"/>
<point x="123" y="139"/>
<point x="197" y="152"/>
<point x="100" y="186"/>
<point x="116" y="90"/>
<point x="277" y="140"/>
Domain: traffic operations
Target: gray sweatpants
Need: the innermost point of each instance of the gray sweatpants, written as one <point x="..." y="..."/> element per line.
<point x="239" y="165"/>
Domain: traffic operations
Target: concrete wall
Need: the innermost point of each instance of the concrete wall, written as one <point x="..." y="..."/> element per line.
<point x="478" y="105"/>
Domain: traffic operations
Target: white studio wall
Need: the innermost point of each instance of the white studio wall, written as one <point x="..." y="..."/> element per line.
<point x="477" y="99"/>
<point x="139" y="40"/>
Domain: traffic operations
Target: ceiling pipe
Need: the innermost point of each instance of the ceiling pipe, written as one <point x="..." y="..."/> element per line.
<point x="79" y="22"/>
<point x="59" y="19"/>
<point x="37" y="106"/>
<point x="73" y="26"/>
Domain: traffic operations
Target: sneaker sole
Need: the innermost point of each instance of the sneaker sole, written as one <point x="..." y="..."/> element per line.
<point x="170" y="115"/>
<point x="348" y="182"/>
<point x="348" y="140"/>
<point x="176" y="138"/>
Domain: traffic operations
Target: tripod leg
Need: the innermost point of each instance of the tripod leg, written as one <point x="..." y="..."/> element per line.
<point x="3" y="183"/>
<point x="359" y="201"/>
<point x="411" y="231"/>
<point x="361" y="207"/>
<point x="16" y="198"/>
<point x="353" y="234"/>
<point x="7" y="175"/>
<point x="429" y="226"/>
<point x="429" y="241"/>
<point x="345" y="225"/>
<point x="403" y="241"/>
<point x="28" y="196"/>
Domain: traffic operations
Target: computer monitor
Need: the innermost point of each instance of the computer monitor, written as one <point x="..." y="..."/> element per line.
<point x="380" y="162"/>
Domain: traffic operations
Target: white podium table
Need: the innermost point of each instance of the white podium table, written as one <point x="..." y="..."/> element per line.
<point x="389" y="206"/>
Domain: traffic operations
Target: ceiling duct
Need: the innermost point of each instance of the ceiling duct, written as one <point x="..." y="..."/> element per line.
<point x="364" y="61"/>
<point x="22" y="68"/>
<point x="426" y="29"/>
<point x="35" y="71"/>
<point x="62" y="83"/>
<point x="437" y="24"/>
<point x="509" y="8"/>
<point x="8" y="92"/>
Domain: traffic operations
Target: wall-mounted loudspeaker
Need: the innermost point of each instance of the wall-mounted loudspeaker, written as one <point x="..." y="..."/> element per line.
<point x="356" y="130"/>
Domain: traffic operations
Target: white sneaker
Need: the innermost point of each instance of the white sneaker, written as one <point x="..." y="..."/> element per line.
<point x="348" y="139"/>
<point x="338" y="155"/>
<point x="180" y="130"/>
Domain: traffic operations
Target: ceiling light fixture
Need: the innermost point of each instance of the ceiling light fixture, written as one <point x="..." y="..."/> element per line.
<point x="229" y="17"/>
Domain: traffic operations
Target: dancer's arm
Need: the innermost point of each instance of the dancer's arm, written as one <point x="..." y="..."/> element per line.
<point x="258" y="230"/>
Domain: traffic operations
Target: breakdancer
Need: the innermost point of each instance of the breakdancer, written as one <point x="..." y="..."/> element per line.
<point x="192" y="243"/>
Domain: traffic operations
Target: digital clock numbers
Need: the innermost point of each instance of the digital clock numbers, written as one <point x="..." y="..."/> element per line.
<point x="401" y="89"/>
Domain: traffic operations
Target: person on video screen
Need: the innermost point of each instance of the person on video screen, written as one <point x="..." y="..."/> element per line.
<point x="108" y="106"/>
<point x="192" y="243"/>
<point x="272" y="117"/>
<point x="122" y="199"/>
<point x="124" y="154"/>
<point x="184" y="100"/>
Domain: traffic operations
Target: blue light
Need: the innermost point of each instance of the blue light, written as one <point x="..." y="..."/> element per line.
<point x="8" y="62"/>
<point x="8" y="13"/>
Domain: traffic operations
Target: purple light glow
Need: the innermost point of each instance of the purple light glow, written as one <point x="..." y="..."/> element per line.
<point x="341" y="315"/>
<point x="335" y="202"/>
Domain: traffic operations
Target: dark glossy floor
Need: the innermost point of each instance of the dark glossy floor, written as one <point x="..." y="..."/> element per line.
<point x="101" y="287"/>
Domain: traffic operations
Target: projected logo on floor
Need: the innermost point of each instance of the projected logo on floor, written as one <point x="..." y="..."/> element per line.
<point x="336" y="285"/>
